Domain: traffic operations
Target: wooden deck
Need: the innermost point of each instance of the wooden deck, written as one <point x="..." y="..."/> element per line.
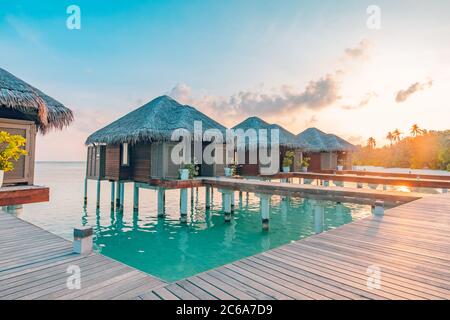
<point x="410" y="246"/>
<point x="34" y="262"/>
<point x="388" y="174"/>
<point x="411" y="181"/>
<point x="342" y="194"/>
<point x="16" y="195"/>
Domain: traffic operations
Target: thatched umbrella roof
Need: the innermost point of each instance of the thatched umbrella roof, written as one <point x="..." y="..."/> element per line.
<point x="18" y="97"/>
<point x="287" y="139"/>
<point x="317" y="141"/>
<point x="154" y="121"/>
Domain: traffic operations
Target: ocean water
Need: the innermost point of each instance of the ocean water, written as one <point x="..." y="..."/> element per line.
<point x="164" y="247"/>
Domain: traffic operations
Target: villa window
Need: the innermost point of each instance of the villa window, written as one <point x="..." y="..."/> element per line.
<point x="125" y="155"/>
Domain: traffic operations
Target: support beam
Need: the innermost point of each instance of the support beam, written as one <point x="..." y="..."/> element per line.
<point x="208" y="197"/>
<point x="265" y="209"/>
<point x="240" y="199"/>
<point x="136" y="197"/>
<point x="85" y="190"/>
<point x="226" y="203"/>
<point x="15" y="209"/>
<point x="122" y="196"/>
<point x="232" y="201"/>
<point x="183" y="205"/>
<point x="98" y="193"/>
<point x="118" y="194"/>
<point x="112" y="194"/>
<point x="161" y="202"/>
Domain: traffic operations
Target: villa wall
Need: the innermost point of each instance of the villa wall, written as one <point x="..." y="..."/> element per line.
<point x="23" y="172"/>
<point x="141" y="162"/>
<point x="113" y="169"/>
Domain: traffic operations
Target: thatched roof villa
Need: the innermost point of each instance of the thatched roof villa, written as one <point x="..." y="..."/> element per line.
<point x="137" y="146"/>
<point x="25" y="110"/>
<point x="326" y="151"/>
<point x="287" y="141"/>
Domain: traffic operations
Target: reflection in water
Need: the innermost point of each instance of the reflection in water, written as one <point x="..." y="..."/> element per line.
<point x="403" y="189"/>
<point x="163" y="246"/>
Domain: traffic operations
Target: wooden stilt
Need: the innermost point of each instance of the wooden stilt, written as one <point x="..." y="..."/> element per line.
<point x="183" y="205"/>
<point x="208" y="197"/>
<point x="226" y="195"/>
<point x="232" y="201"/>
<point x="240" y="199"/>
<point x="161" y="202"/>
<point x="135" y="197"/>
<point x="265" y="209"/>
<point x="122" y="195"/>
<point x="85" y="190"/>
<point x="98" y="193"/>
<point x="118" y="194"/>
<point x="112" y="194"/>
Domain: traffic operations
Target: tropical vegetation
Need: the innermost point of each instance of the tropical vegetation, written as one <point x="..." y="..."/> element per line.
<point x="11" y="149"/>
<point x="422" y="149"/>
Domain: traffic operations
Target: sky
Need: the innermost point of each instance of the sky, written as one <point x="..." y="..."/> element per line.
<point x="326" y="64"/>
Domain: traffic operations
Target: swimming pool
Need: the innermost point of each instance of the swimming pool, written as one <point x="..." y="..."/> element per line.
<point x="164" y="247"/>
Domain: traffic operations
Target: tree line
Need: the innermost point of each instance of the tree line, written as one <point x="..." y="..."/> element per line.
<point x="422" y="149"/>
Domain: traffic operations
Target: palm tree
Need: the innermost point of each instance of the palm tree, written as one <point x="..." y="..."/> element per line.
<point x="390" y="137"/>
<point x="371" y="143"/>
<point x="396" y="133"/>
<point x="415" y="130"/>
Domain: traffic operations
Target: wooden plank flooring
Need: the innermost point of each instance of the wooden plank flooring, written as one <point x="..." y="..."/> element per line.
<point x="34" y="262"/>
<point x="410" y="246"/>
<point x="342" y="194"/>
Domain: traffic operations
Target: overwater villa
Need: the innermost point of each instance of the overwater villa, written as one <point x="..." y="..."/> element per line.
<point x="24" y="111"/>
<point x="137" y="147"/>
<point x="287" y="142"/>
<point x="325" y="151"/>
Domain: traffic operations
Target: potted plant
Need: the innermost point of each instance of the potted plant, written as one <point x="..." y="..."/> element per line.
<point x="11" y="149"/>
<point x="188" y="171"/>
<point x="230" y="170"/>
<point x="288" y="160"/>
<point x="305" y="164"/>
<point x="340" y="165"/>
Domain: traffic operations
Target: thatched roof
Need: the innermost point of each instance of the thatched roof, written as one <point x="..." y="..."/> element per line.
<point x="287" y="139"/>
<point x="317" y="141"/>
<point x="17" y="96"/>
<point x="154" y="121"/>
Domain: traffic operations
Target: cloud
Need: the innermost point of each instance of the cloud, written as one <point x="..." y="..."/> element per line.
<point x="360" y="51"/>
<point x="181" y="92"/>
<point x="318" y="94"/>
<point x="403" y="95"/>
<point x="368" y="97"/>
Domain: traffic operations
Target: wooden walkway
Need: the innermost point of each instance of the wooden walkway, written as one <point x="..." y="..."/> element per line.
<point x="439" y="182"/>
<point x="409" y="246"/>
<point x="342" y="194"/>
<point x="34" y="262"/>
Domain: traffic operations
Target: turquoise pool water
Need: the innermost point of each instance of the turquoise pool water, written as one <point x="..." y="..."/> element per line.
<point x="164" y="247"/>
